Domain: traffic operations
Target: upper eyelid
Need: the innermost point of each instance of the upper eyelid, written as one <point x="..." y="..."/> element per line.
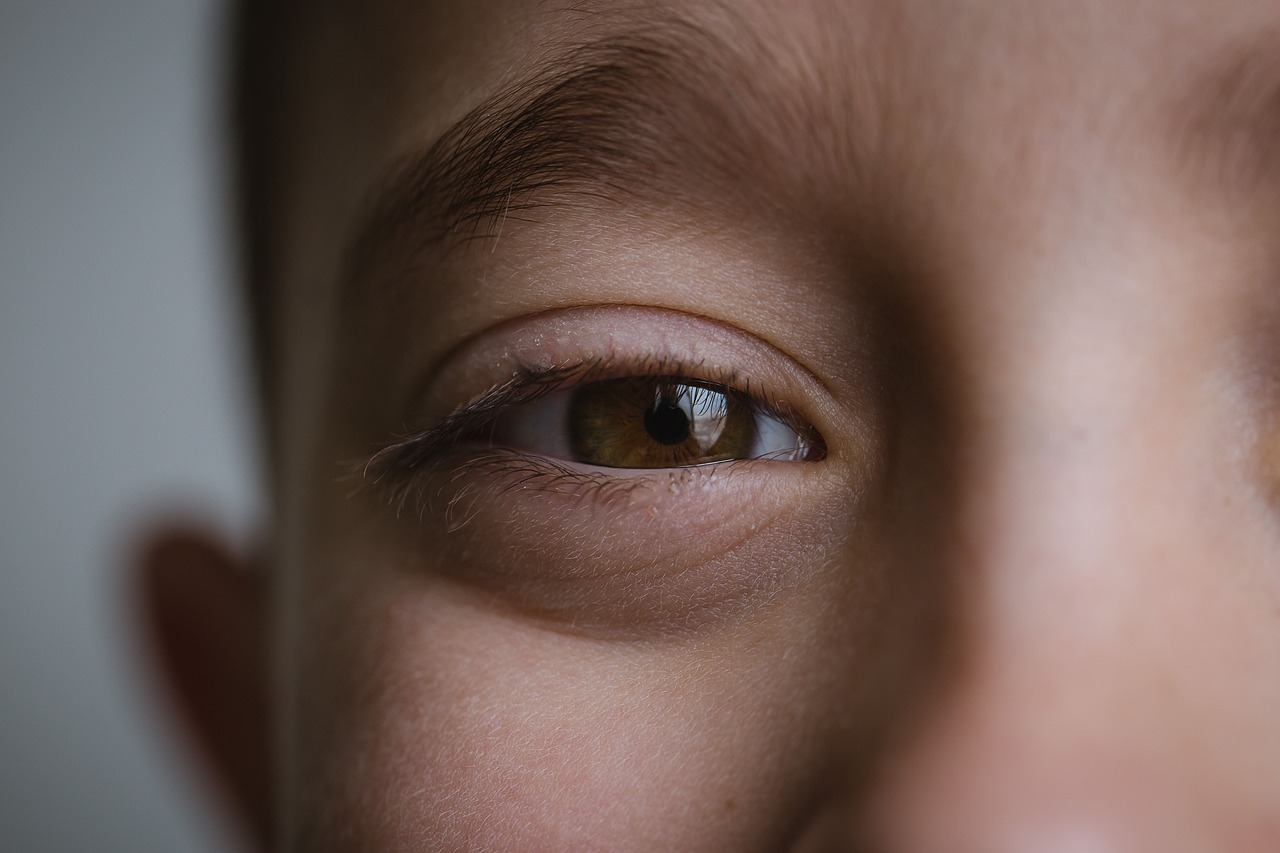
<point x="440" y="361"/>
<point x="517" y="358"/>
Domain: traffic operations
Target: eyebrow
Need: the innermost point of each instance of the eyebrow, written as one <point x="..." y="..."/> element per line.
<point x="1226" y="127"/>
<point x="654" y="111"/>
<point x="606" y="121"/>
<point x="669" y="112"/>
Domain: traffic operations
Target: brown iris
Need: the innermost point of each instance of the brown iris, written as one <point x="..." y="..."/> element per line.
<point x="659" y="423"/>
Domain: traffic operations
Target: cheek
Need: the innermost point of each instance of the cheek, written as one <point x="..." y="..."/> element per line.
<point x="477" y="733"/>
<point x="666" y="671"/>
<point x="428" y="716"/>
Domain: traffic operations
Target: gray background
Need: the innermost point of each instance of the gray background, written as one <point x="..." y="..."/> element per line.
<point x="121" y="395"/>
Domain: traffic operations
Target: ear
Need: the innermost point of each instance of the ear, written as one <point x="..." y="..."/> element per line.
<point x="205" y="612"/>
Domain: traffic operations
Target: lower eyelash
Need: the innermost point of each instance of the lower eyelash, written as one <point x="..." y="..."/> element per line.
<point x="457" y="484"/>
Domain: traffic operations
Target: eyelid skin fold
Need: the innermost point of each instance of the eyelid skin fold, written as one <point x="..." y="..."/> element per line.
<point x="613" y="337"/>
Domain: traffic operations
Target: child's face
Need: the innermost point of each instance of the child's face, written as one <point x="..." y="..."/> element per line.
<point x="994" y="288"/>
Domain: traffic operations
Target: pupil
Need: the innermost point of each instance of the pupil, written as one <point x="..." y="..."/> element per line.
<point x="666" y="422"/>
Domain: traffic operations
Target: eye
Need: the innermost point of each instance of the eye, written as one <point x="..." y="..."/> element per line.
<point x="654" y="422"/>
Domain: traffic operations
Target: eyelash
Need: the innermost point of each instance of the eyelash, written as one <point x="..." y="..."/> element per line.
<point x="411" y="464"/>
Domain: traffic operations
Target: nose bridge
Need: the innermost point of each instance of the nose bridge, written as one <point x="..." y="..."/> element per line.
<point x="1078" y="530"/>
<point x="1072" y="458"/>
<point x="1073" y="540"/>
<point x="1078" y="505"/>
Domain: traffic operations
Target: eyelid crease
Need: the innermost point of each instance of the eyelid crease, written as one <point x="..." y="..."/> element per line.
<point x="451" y="353"/>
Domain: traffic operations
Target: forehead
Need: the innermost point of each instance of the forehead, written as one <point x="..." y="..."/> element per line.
<point x="827" y="118"/>
<point x="832" y="96"/>
<point x="424" y="65"/>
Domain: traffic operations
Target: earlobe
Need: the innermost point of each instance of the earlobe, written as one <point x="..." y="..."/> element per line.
<point x="205" y="614"/>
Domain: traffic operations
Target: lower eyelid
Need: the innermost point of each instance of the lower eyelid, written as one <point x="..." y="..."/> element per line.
<point x="493" y="474"/>
<point x="587" y="549"/>
<point x="467" y="483"/>
<point x="458" y="485"/>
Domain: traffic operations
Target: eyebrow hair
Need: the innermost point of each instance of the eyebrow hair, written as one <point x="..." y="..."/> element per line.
<point x="1227" y="126"/>
<point x="600" y="121"/>
<point x="669" y="112"/>
<point x="670" y="109"/>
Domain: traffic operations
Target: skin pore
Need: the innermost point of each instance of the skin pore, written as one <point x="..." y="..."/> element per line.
<point x="1014" y="263"/>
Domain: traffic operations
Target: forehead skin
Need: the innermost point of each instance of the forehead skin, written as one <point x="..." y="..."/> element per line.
<point x="1147" y="84"/>
<point x="1022" y="251"/>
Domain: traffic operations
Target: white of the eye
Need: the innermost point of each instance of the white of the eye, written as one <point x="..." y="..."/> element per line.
<point x="776" y="440"/>
<point x="541" y="425"/>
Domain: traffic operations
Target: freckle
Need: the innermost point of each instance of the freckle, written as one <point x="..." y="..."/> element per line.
<point x="730" y="805"/>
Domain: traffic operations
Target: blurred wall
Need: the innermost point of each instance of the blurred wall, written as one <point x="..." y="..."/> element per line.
<point x="121" y="393"/>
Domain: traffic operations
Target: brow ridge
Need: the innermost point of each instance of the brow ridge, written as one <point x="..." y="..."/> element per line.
<point x="597" y="122"/>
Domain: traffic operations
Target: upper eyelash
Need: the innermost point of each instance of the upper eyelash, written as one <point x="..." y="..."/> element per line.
<point x="427" y="448"/>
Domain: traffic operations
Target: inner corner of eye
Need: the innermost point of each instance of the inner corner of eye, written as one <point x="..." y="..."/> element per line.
<point x="656" y="422"/>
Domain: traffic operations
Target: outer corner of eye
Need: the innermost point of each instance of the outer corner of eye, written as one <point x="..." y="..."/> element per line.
<point x="789" y="442"/>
